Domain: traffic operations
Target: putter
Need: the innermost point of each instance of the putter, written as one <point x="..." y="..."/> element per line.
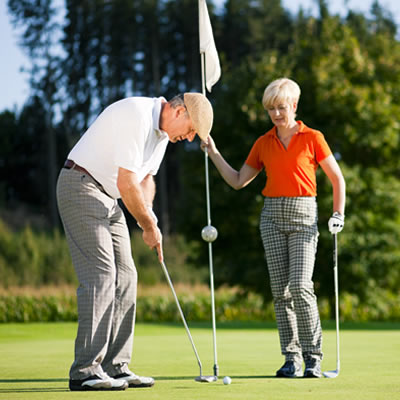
<point x="201" y="377"/>
<point x="335" y="373"/>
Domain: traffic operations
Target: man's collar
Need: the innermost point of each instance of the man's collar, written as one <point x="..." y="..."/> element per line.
<point x="156" y="117"/>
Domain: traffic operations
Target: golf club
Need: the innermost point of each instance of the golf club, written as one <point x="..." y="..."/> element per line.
<point x="335" y="373"/>
<point x="201" y="377"/>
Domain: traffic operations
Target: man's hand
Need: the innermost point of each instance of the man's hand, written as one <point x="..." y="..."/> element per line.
<point x="153" y="239"/>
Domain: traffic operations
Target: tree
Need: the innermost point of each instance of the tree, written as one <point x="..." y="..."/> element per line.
<point x="247" y="29"/>
<point x="350" y="92"/>
<point x="39" y="29"/>
<point x="348" y="69"/>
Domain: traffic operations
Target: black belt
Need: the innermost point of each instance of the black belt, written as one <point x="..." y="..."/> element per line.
<point x="69" y="164"/>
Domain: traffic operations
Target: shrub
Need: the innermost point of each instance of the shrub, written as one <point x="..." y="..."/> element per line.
<point x="37" y="258"/>
<point x="230" y="305"/>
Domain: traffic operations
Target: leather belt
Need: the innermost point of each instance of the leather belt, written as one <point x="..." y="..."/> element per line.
<point x="69" y="164"/>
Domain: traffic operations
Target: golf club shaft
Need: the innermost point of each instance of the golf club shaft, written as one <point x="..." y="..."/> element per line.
<point x="181" y="314"/>
<point x="207" y="187"/>
<point x="213" y="308"/>
<point x="336" y="283"/>
<point x="211" y="267"/>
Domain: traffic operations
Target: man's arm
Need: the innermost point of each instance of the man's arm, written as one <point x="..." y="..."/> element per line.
<point x="149" y="189"/>
<point x="135" y="197"/>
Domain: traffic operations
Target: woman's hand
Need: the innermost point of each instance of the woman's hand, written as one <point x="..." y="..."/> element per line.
<point x="209" y="145"/>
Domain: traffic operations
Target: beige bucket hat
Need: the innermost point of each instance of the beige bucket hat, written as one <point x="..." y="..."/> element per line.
<point x="200" y="112"/>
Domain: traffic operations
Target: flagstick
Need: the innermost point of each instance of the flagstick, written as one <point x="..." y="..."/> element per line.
<point x="210" y="257"/>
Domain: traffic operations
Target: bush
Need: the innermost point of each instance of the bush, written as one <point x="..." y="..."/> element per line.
<point x="230" y="305"/>
<point x="37" y="258"/>
<point x="34" y="258"/>
<point x="38" y="309"/>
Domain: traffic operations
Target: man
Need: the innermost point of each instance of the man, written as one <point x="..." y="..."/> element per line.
<point x="115" y="159"/>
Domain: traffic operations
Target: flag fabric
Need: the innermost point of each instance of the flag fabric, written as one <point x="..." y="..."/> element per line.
<point x="207" y="46"/>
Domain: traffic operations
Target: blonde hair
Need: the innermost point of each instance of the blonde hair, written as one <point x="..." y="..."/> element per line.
<point x="281" y="90"/>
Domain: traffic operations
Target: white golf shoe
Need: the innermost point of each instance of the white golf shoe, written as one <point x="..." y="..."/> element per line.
<point x="313" y="368"/>
<point x="97" y="382"/>
<point x="135" y="381"/>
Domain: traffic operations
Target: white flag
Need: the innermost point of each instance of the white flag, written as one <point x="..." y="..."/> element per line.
<point x="207" y="46"/>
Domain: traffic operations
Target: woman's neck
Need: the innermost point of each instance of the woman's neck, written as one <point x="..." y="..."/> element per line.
<point x="287" y="131"/>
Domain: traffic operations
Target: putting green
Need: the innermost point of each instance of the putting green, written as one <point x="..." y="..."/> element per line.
<point x="35" y="358"/>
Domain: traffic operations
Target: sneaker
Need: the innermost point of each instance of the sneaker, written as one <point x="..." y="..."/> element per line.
<point x="290" y="369"/>
<point x="313" y="368"/>
<point x="97" y="382"/>
<point x="135" y="381"/>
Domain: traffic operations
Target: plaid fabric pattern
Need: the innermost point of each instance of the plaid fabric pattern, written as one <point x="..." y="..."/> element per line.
<point x="99" y="244"/>
<point x="289" y="232"/>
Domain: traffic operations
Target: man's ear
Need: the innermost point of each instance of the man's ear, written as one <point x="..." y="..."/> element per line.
<point x="180" y="110"/>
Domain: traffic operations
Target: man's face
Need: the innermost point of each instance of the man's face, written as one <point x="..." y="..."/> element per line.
<point x="181" y="126"/>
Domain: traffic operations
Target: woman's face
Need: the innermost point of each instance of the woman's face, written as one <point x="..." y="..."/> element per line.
<point x="282" y="114"/>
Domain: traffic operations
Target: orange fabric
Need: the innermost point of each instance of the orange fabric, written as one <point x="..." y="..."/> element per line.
<point x="290" y="172"/>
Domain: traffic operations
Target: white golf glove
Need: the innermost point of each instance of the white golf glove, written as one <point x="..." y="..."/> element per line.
<point x="336" y="223"/>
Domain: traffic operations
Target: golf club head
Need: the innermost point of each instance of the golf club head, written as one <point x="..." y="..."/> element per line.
<point x="331" y="374"/>
<point x="206" y="378"/>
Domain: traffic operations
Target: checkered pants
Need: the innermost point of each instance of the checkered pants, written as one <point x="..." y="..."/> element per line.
<point x="99" y="244"/>
<point x="289" y="233"/>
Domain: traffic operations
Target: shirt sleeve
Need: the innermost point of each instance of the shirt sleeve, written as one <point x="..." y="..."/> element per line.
<point x="130" y="137"/>
<point x="254" y="159"/>
<point x="322" y="149"/>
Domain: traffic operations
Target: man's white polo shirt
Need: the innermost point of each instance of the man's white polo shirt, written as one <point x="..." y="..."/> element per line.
<point x="127" y="135"/>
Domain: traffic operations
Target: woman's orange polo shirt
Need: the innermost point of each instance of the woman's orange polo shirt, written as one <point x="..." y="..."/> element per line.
<point x="290" y="172"/>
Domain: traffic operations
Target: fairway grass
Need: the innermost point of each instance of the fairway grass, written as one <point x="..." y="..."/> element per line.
<point x="35" y="359"/>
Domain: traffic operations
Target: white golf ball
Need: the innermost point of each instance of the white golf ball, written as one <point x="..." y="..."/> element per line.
<point x="227" y="380"/>
<point x="209" y="233"/>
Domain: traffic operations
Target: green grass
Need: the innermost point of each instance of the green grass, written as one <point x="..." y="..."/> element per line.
<point x="35" y="358"/>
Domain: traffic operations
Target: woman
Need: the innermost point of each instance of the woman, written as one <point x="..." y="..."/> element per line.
<point x="290" y="154"/>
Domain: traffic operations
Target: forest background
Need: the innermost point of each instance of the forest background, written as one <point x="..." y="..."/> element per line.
<point x="348" y="68"/>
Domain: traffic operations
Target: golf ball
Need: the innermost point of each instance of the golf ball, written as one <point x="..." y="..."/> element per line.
<point x="227" y="380"/>
<point x="209" y="233"/>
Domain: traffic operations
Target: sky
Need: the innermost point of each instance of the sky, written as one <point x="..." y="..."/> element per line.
<point x="14" y="88"/>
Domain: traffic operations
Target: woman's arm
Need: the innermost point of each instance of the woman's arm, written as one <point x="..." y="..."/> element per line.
<point x="334" y="174"/>
<point x="234" y="178"/>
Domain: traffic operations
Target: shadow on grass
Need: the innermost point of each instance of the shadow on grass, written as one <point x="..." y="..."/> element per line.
<point x="33" y="389"/>
<point x="66" y="389"/>
<point x="220" y="325"/>
<point x="192" y="378"/>
<point x="363" y="326"/>
<point x="32" y="380"/>
<point x="260" y="325"/>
